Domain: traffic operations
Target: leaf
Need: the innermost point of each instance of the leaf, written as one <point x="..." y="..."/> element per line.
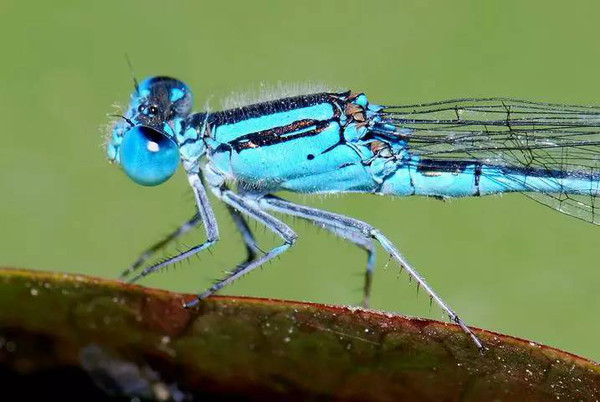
<point x="68" y="335"/>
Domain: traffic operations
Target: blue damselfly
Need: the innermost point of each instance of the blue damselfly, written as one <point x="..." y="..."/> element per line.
<point x="338" y="142"/>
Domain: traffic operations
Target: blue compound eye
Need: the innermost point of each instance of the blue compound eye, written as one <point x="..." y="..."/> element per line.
<point x="147" y="156"/>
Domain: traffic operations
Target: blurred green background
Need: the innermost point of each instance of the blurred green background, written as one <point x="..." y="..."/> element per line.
<point x="505" y="263"/>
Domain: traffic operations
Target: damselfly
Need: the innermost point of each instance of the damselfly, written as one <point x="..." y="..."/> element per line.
<point x="338" y="142"/>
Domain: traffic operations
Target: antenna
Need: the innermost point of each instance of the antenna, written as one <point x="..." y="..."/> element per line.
<point x="135" y="81"/>
<point x="124" y="118"/>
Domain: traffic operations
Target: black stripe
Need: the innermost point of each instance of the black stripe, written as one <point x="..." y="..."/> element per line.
<point x="443" y="166"/>
<point x="276" y="106"/>
<point x="459" y="166"/>
<point x="277" y="135"/>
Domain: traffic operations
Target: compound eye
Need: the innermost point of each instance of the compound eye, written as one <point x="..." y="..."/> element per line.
<point x="148" y="156"/>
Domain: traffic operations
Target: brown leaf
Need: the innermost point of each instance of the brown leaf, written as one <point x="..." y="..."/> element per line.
<point x="69" y="335"/>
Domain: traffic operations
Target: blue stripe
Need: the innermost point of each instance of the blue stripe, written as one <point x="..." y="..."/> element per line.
<point x="230" y="132"/>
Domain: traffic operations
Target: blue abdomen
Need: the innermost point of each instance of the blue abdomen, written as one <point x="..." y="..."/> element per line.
<point x="461" y="178"/>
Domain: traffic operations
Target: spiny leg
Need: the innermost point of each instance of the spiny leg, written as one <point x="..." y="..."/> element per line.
<point x="363" y="242"/>
<point x="341" y="221"/>
<point x="366" y="244"/>
<point x="357" y="238"/>
<point x="249" y="207"/>
<point x="352" y="236"/>
<point x="183" y="229"/>
<point x="210" y="225"/>
<point x="252" y="249"/>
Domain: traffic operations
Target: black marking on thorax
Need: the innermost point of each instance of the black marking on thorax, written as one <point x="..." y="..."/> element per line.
<point x="280" y="134"/>
<point x="236" y="115"/>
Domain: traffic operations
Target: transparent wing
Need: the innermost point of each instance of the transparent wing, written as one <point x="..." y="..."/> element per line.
<point x="530" y="136"/>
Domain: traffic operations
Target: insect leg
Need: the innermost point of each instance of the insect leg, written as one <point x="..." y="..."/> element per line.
<point x="210" y="225"/>
<point x="343" y="222"/>
<point x="251" y="209"/>
<point x="251" y="247"/>
<point x="364" y="243"/>
<point x="186" y="227"/>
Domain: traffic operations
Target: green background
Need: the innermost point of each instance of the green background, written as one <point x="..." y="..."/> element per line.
<point x="505" y="263"/>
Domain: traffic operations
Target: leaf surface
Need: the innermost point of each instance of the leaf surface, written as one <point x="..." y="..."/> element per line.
<point x="64" y="335"/>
